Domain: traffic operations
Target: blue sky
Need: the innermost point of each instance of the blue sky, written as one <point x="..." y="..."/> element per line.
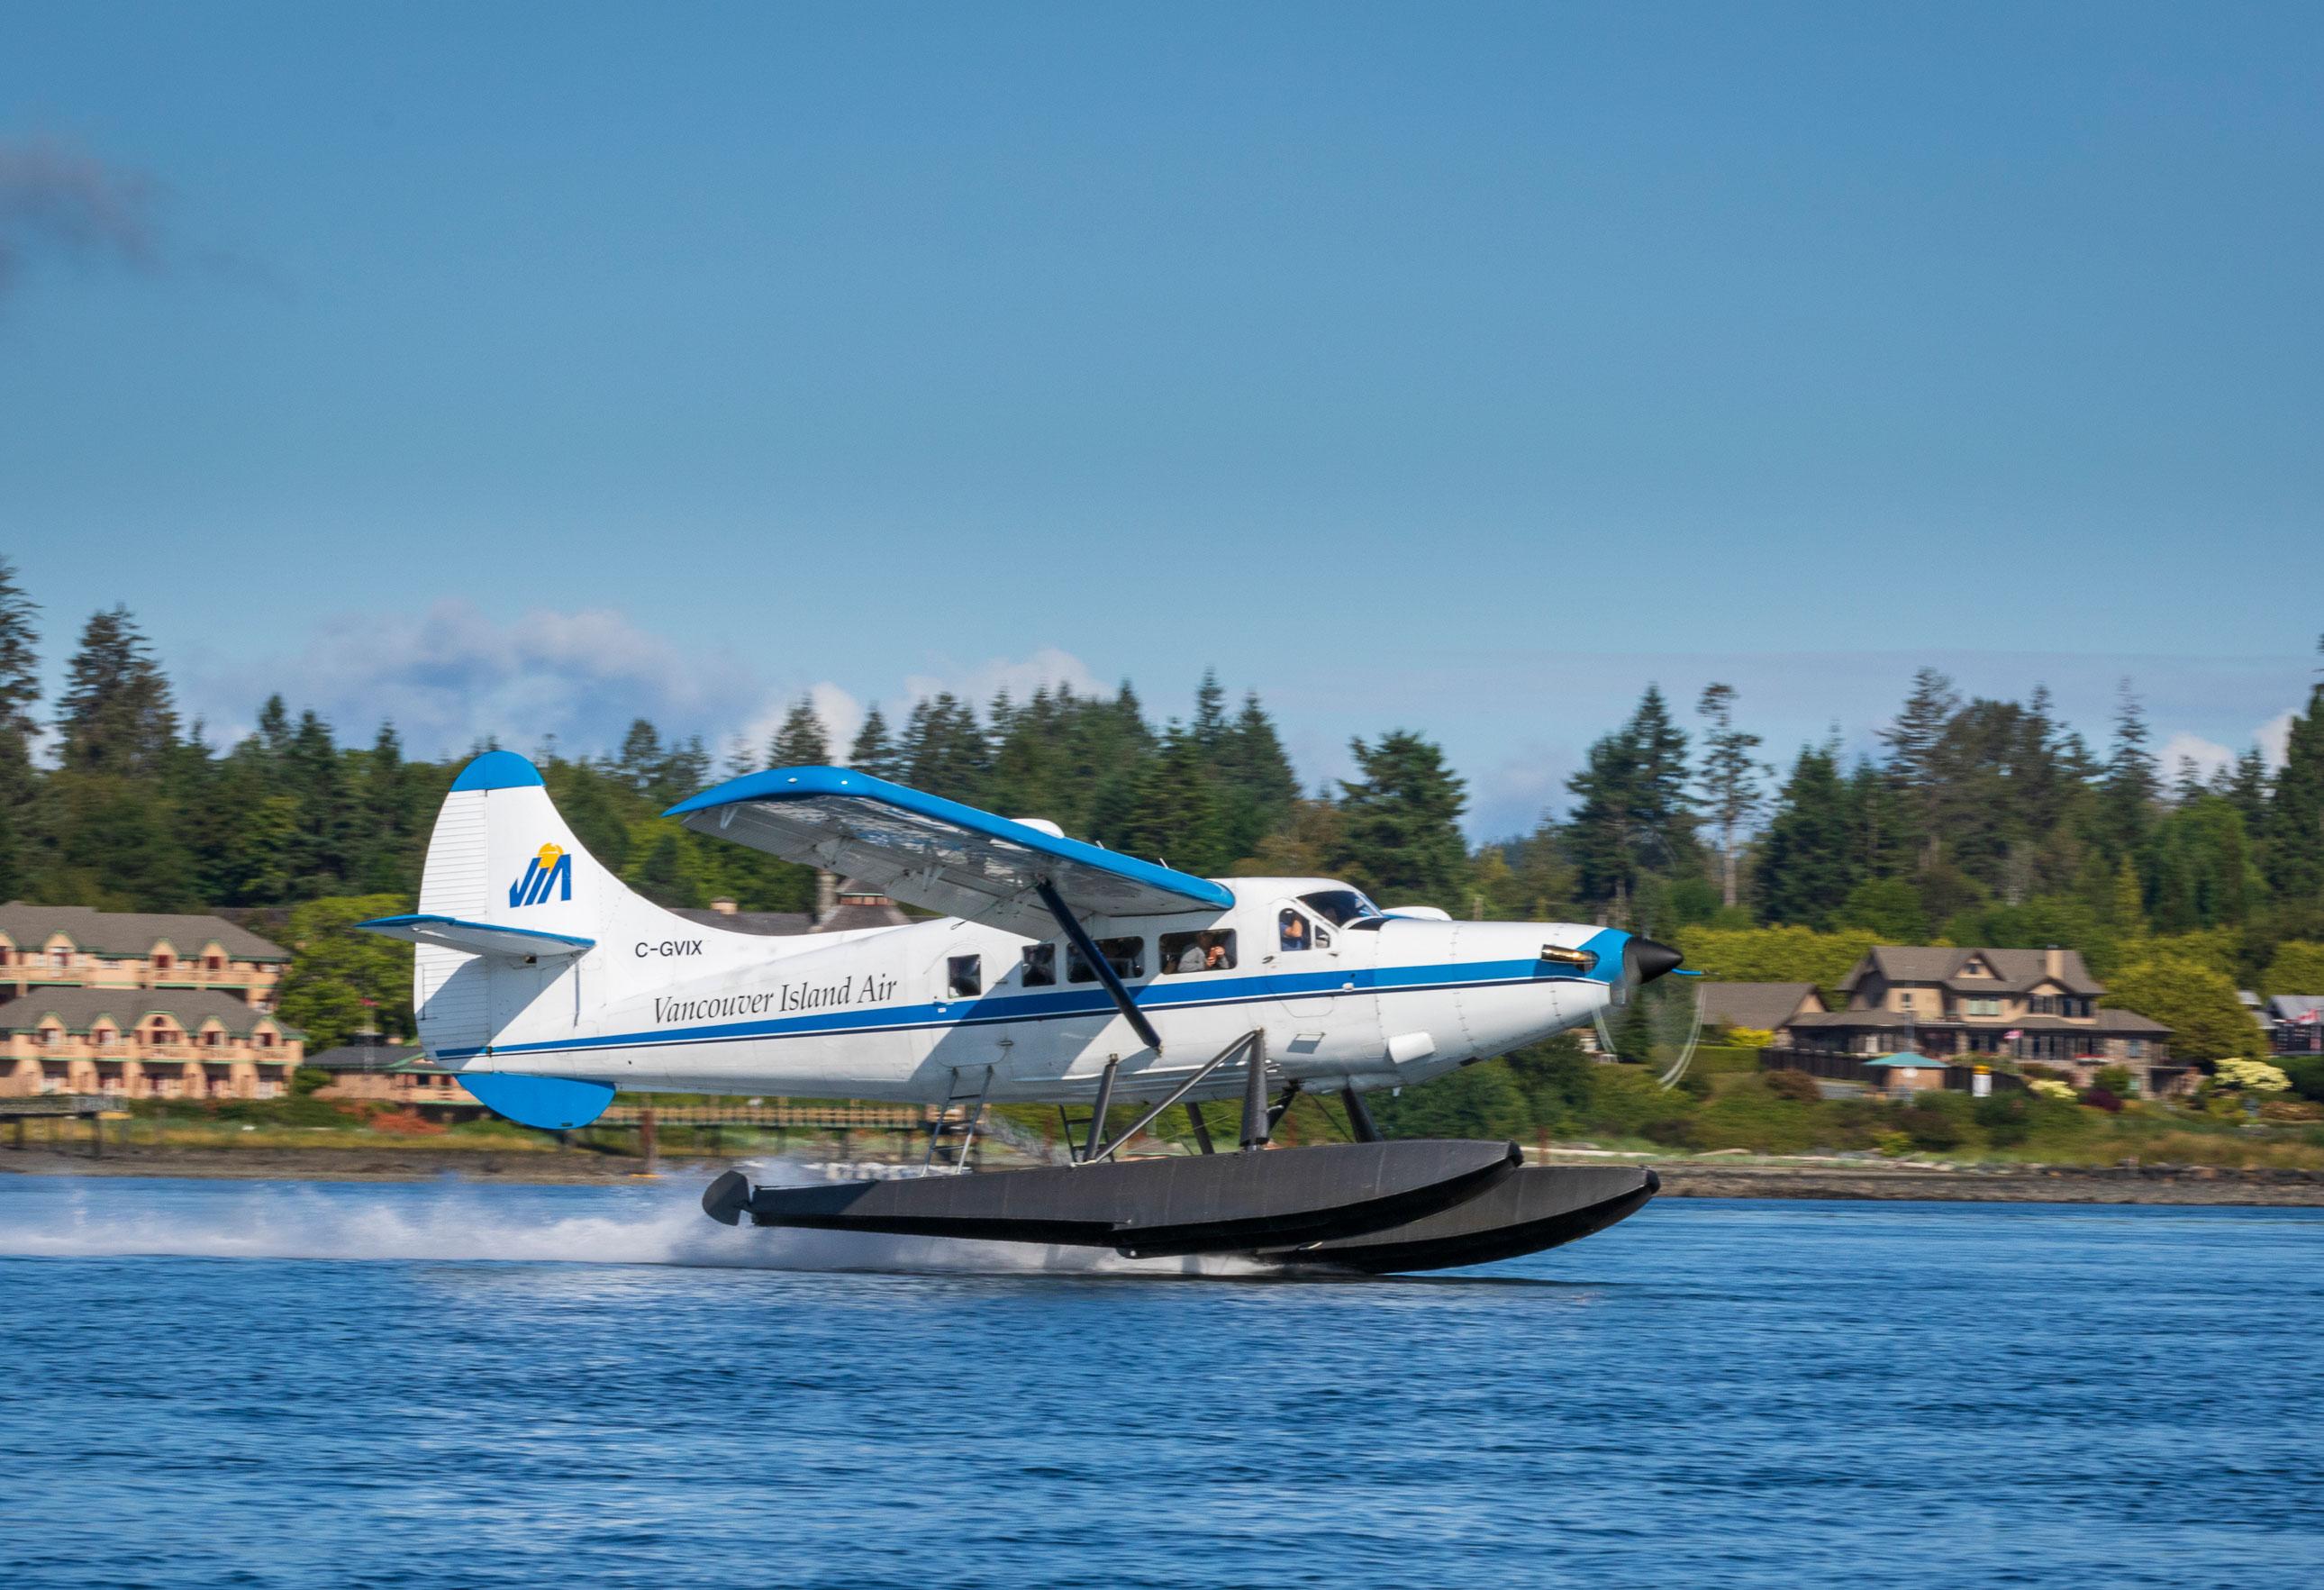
<point x="512" y="369"/>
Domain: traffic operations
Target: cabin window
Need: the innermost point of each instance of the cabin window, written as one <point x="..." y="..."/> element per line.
<point x="1339" y="906"/>
<point x="964" y="977"/>
<point x="1211" y="950"/>
<point x="1040" y="965"/>
<point x="1126" y="955"/>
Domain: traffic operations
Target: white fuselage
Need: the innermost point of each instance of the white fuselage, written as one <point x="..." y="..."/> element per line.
<point x="916" y="1012"/>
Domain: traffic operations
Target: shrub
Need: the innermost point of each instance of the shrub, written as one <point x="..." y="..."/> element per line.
<point x="2306" y="1077"/>
<point x="1896" y="1145"/>
<point x="1934" y="1122"/>
<point x="1752" y="1114"/>
<point x="2103" y="1098"/>
<point x="1796" y="1086"/>
<point x="1749" y="1038"/>
<point x="2249" y="1077"/>
<point x="2049" y="1087"/>
<point x="2005" y="1118"/>
<point x="2116" y="1080"/>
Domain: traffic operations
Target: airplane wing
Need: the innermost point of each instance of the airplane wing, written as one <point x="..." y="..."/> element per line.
<point x="937" y="853"/>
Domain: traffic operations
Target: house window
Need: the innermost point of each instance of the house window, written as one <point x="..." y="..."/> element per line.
<point x="60" y="959"/>
<point x="160" y="960"/>
<point x="1126" y="955"/>
<point x="1984" y="1007"/>
<point x="266" y="1040"/>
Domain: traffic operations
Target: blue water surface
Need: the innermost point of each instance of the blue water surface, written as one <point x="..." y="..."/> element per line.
<point x="448" y="1385"/>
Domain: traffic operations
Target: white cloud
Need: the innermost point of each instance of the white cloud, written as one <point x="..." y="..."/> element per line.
<point x="2275" y="738"/>
<point x="2208" y="755"/>
<point x="1020" y="676"/>
<point x="451" y="677"/>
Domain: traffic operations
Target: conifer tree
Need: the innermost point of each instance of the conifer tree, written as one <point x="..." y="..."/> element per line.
<point x="2295" y="822"/>
<point x="1730" y="779"/>
<point x="1400" y="834"/>
<point x="115" y="715"/>
<point x="875" y="751"/>
<point x="1804" y="871"/>
<point x="20" y="688"/>
<point x="801" y="740"/>
<point x="1256" y="784"/>
<point x="2127" y="793"/>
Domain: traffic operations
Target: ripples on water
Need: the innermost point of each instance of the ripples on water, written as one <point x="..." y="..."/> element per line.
<point x="450" y="1386"/>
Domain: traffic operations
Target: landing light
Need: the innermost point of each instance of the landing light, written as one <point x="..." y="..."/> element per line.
<point x="1580" y="960"/>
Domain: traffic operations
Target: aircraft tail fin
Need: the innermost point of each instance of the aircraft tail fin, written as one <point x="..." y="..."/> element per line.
<point x="509" y="903"/>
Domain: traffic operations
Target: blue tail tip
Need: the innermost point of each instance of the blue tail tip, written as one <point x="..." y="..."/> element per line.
<point x="498" y="770"/>
<point x="551" y="1102"/>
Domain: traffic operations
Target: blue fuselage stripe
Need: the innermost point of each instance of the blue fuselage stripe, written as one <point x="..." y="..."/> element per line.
<point x="1066" y="1003"/>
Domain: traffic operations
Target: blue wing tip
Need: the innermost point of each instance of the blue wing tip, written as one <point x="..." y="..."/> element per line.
<point x="498" y="770"/>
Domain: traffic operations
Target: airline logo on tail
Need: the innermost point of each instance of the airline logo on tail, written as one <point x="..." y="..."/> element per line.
<point x="552" y="869"/>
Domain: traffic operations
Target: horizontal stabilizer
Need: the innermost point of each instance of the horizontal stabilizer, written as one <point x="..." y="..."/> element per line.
<point x="516" y="943"/>
<point x="555" y="1104"/>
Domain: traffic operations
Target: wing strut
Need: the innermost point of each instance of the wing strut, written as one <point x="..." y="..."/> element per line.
<point x="1082" y="942"/>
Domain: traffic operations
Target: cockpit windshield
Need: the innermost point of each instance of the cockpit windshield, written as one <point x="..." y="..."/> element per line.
<point x="1339" y="906"/>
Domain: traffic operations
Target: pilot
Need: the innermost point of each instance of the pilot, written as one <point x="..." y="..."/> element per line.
<point x="1294" y="931"/>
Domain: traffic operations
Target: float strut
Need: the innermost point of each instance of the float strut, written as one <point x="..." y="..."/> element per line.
<point x="1193" y="1119"/>
<point x="1274" y="1115"/>
<point x="1254" y="1096"/>
<point x="1172" y="1098"/>
<point x="1087" y="949"/>
<point x="1360" y="1116"/>
<point x="1097" y="1112"/>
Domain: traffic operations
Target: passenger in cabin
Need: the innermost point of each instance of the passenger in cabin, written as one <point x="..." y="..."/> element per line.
<point x="1191" y="958"/>
<point x="1215" y="958"/>
<point x="1294" y="929"/>
<point x="1040" y="965"/>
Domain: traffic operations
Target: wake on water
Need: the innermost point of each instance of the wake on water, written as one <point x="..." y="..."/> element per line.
<point x="452" y="1222"/>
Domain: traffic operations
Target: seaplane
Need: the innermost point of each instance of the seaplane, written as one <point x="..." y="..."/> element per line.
<point x="1055" y="971"/>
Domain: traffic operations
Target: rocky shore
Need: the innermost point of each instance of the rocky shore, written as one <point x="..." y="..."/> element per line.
<point x="2012" y="1184"/>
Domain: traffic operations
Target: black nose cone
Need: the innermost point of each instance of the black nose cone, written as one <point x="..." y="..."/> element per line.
<point x="1649" y="960"/>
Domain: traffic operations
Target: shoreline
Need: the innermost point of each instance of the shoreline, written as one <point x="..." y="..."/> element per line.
<point x="2193" y="1185"/>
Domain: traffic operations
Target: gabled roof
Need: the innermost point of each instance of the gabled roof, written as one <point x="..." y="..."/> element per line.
<point x="132" y="932"/>
<point x="80" y="1009"/>
<point x="363" y="1057"/>
<point x="2015" y="970"/>
<point x="2290" y="1007"/>
<point x="764" y="923"/>
<point x="1765" y="1007"/>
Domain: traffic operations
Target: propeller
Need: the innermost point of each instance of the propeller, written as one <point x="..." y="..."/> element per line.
<point x="1644" y="960"/>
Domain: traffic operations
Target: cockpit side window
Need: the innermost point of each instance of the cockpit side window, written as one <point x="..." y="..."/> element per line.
<point x="1339" y="906"/>
<point x="1294" y="931"/>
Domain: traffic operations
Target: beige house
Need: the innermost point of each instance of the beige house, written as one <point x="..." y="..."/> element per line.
<point x="1964" y="1005"/>
<point x="138" y="1043"/>
<point x="45" y="947"/>
<point x="392" y="1074"/>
